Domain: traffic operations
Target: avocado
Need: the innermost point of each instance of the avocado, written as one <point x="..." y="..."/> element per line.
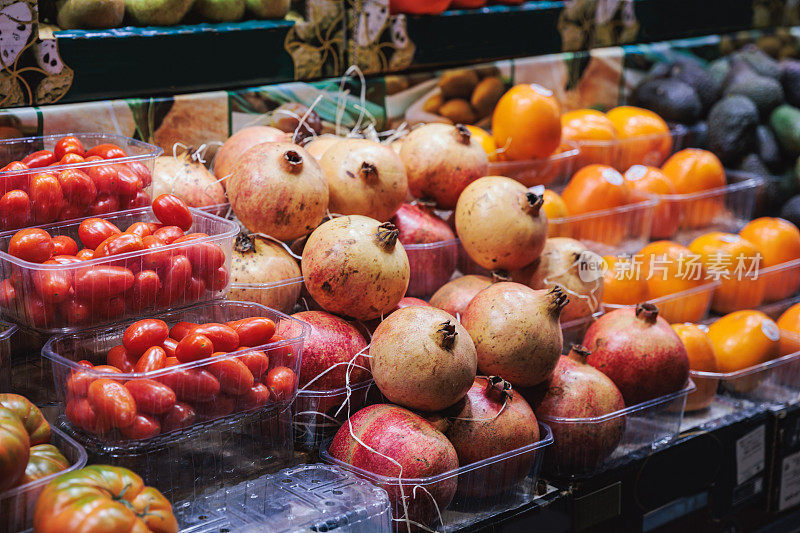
<point x="704" y="84"/>
<point x="785" y="124"/>
<point x="752" y="164"/>
<point x="767" y="148"/>
<point x="674" y="100"/>
<point x="760" y="62"/>
<point x="732" y="128"/>
<point x="766" y="93"/>
<point x="791" y="81"/>
<point x="791" y="210"/>
<point x="776" y="189"/>
<point x="719" y="69"/>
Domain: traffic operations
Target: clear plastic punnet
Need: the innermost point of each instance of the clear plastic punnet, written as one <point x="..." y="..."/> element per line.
<point x="280" y="295"/>
<point x="554" y="170"/>
<point x="651" y="150"/>
<point x="478" y="490"/>
<point x="312" y="497"/>
<point x="691" y="305"/>
<point x="106" y="290"/>
<point x="432" y="265"/>
<point x="113" y="184"/>
<point x="7" y="332"/>
<point x="17" y="504"/>
<point x="585" y="446"/>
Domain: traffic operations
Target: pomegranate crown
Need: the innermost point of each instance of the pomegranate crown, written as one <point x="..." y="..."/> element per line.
<point x="292" y="161"/>
<point x="448" y="335"/>
<point x="462" y="134"/>
<point x="559" y="299"/>
<point x="245" y="243"/>
<point x="500" y="275"/>
<point x="647" y="312"/>
<point x="579" y="353"/>
<point x="368" y="171"/>
<point x="387" y="235"/>
<point x="499" y="385"/>
<point x="535" y="202"/>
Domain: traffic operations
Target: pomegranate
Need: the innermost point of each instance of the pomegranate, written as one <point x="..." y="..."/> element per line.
<point x="500" y="223"/>
<point x="354" y="266"/>
<point x="491" y="420"/>
<point x="577" y="270"/>
<point x="278" y="189"/>
<point x="240" y="142"/>
<point x="454" y="296"/>
<point x="578" y="390"/>
<point x="319" y="145"/>
<point x="258" y="267"/>
<point x="516" y="331"/>
<point x="431" y="247"/>
<point x="187" y="179"/>
<point x="639" y="351"/>
<point x="441" y="160"/>
<point x="364" y="178"/>
<point x="422" y="358"/>
<point x="400" y="445"/>
<point x="406" y="301"/>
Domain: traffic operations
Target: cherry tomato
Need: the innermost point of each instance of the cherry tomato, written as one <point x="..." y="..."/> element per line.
<point x="172" y="211"/>
<point x="63" y="245"/>
<point x="17" y="180"/>
<point x="52" y="286"/>
<point x="81" y="415"/>
<point x="39" y="159"/>
<point x="70" y="159"/>
<point x="77" y="187"/>
<point x="99" y="282"/>
<point x="175" y="281"/>
<point x="179" y="416"/>
<point x="142" y="229"/>
<point x="46" y="198"/>
<point x="85" y="254"/>
<point x="119" y="244"/>
<point x="112" y="401"/>
<point x="168" y="234"/>
<point x="254" y="331"/>
<point x="152" y="359"/>
<point x="257" y="396"/>
<point x="224" y="338"/>
<point x="217" y="280"/>
<point x="109" y="309"/>
<point x="194" y="347"/>
<point x="104" y="204"/>
<point x="191" y="384"/>
<point x="256" y="361"/>
<point x="8" y="294"/>
<point x="104" y="178"/>
<point x="33" y="244"/>
<point x="68" y="144"/>
<point x="233" y="375"/>
<point x="119" y="357"/>
<point x="281" y="383"/>
<point x="15" y="209"/>
<point x="157" y="259"/>
<point x="143" y="427"/>
<point x="219" y="405"/>
<point x="146" y="285"/>
<point x="152" y="397"/>
<point x="143" y="334"/>
<point x="128" y="183"/>
<point x="140" y="199"/>
<point x="180" y="330"/>
<point x="79" y="381"/>
<point x="74" y="311"/>
<point x="169" y="346"/>
<point x="93" y="231"/>
<point x="107" y="151"/>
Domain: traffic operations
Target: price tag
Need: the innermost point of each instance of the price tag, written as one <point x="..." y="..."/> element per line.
<point x="790" y="482"/>
<point x="750" y="454"/>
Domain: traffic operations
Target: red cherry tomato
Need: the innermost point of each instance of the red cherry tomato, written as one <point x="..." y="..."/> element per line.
<point x="99" y="282"/>
<point x="74" y="311"/>
<point x="104" y="204"/>
<point x="175" y="281"/>
<point x="8" y="294"/>
<point x="15" y="209"/>
<point x="52" y="286"/>
<point x="17" y="180"/>
<point x="172" y="211"/>
<point x="219" y="405"/>
<point x="93" y="231"/>
<point x="142" y="229"/>
<point x="257" y="396"/>
<point x="169" y="346"/>
<point x="233" y="375"/>
<point x="106" y="151"/>
<point x="70" y="159"/>
<point x="81" y="415"/>
<point x="179" y="416"/>
<point x="143" y="334"/>
<point x="68" y="144"/>
<point x="33" y="244"/>
<point x="39" y="159"/>
<point x="143" y="427"/>
<point x="146" y="285"/>
<point x="194" y="347"/>
<point x="119" y="244"/>
<point x="224" y="338"/>
<point x="63" y="245"/>
<point x="180" y="330"/>
<point x="104" y="178"/>
<point x="152" y="397"/>
<point x="77" y="187"/>
<point x="46" y="198"/>
<point x="152" y="359"/>
<point x="191" y="384"/>
<point x="254" y="331"/>
<point x="281" y="383"/>
<point x="257" y="362"/>
<point x="112" y="401"/>
<point x="119" y="357"/>
<point x="85" y="254"/>
<point x="168" y="234"/>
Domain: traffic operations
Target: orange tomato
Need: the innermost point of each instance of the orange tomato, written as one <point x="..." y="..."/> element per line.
<point x="526" y="123"/>
<point x="735" y="262"/>
<point x="644" y="136"/>
<point x="779" y="242"/>
<point x="622" y="284"/>
<point x="701" y="358"/>
<point x="669" y="268"/>
<point x="593" y="133"/>
<point x="486" y="141"/>
<point x="650" y="180"/>
<point x="743" y="339"/>
<point x="789" y="324"/>
<point x="555" y="208"/>
<point x="693" y="171"/>
<point x="597" y="188"/>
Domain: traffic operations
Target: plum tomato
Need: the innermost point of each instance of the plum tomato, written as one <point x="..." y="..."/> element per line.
<point x="219" y="405"/>
<point x="194" y="347"/>
<point x="233" y="375"/>
<point x="256" y="361"/>
<point x="195" y="289"/>
<point x="15" y="209"/>
<point x="257" y="396"/>
<point x="217" y="279"/>
<point x="93" y="231"/>
<point x="143" y="427"/>
<point x="169" y="346"/>
<point x="168" y="234"/>
<point x="104" y="178"/>
<point x="281" y="383"/>
<point x="112" y="401"/>
<point x="85" y="254"/>
<point x="103" y="204"/>
<point x="46" y="198"/>
<point x="63" y="245"/>
<point x="8" y="294"/>
<point x="15" y="181"/>
<point x="106" y="151"/>
<point x="100" y="282"/>
<point x="140" y="199"/>
<point x="224" y="338"/>
<point x="280" y="354"/>
<point x="179" y="330"/>
<point x="82" y="415"/>
<point x="128" y="183"/>
<point x="191" y="384"/>
<point x="68" y="144"/>
<point x="144" y="334"/>
<point x="39" y="159"/>
<point x="119" y="357"/>
<point x="142" y="229"/>
<point x="176" y="280"/>
<point x="52" y="286"/>
<point x="119" y="244"/>
<point x="152" y="359"/>
<point x="77" y="187"/>
<point x="70" y="159"/>
<point x="74" y="311"/>
<point x="172" y="211"/>
<point x="146" y="285"/>
<point x="152" y="397"/>
<point x="254" y="331"/>
<point x="179" y="416"/>
<point x="32" y="244"/>
<point x="206" y="257"/>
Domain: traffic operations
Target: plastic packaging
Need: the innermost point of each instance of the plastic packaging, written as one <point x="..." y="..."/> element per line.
<point x="691" y="305"/>
<point x="585" y="446"/>
<point x="312" y="497"/>
<point x="280" y="295"/>
<point x="481" y="488"/>
<point x="109" y="304"/>
<point x="432" y="265"/>
<point x="138" y="164"/>
<point x="17" y="504"/>
<point x="7" y="332"/>
<point x="574" y="331"/>
<point x="651" y="150"/>
<point x="554" y="170"/>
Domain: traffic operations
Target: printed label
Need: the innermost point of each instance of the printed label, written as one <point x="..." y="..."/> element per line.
<point x="750" y="454"/>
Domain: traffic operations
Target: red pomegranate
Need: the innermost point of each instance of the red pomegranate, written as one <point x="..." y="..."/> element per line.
<point x="407" y="301"/>
<point x="639" y="351"/>
<point x="578" y="390"/>
<point x="454" y="296"/>
<point x="431" y="247"/>
<point x="402" y="445"/>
